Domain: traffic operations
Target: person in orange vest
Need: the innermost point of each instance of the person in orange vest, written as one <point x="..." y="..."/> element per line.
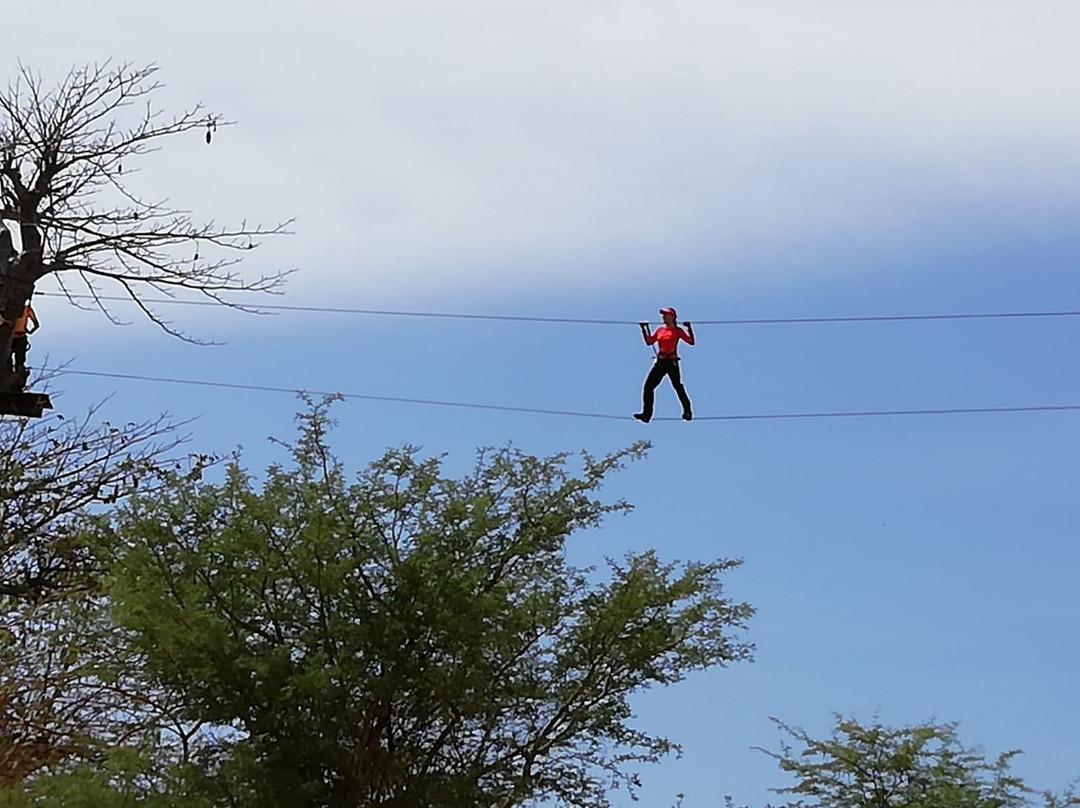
<point x="24" y="326"/>
<point x="667" y="363"/>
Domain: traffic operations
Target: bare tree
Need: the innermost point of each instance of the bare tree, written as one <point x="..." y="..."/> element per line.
<point x="64" y="154"/>
<point x="71" y="691"/>
<point x="47" y="713"/>
<point x="66" y="688"/>
<point x="53" y="475"/>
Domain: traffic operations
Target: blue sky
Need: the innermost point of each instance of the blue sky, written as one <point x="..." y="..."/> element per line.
<point x="600" y="160"/>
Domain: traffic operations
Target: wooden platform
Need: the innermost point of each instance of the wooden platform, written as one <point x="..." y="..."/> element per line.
<point x="26" y="405"/>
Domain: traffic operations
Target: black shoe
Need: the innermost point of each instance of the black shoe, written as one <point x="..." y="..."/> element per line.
<point x="688" y="416"/>
<point x="643" y="417"/>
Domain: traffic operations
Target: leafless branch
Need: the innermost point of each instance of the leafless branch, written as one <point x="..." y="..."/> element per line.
<point x="53" y="474"/>
<point x="66" y="153"/>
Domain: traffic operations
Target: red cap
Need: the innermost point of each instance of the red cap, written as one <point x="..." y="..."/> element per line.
<point x="669" y="311"/>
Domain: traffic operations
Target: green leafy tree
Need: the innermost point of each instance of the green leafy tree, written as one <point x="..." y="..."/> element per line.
<point x="404" y="638"/>
<point x="921" y="766"/>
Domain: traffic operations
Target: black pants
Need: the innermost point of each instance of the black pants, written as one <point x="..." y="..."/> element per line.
<point x="662" y="368"/>
<point x="19" y="347"/>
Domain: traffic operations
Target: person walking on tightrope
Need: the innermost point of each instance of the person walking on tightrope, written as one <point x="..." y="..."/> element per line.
<point x="19" y="342"/>
<point x="667" y="363"/>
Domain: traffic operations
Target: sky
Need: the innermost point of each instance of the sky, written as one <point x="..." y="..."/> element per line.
<point x="600" y="160"/>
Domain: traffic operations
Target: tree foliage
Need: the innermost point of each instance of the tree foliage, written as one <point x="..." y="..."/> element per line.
<point x="405" y="638"/>
<point x="79" y="722"/>
<point x="920" y="766"/>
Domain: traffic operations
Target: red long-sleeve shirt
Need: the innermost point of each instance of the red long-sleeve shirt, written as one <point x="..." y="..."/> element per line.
<point x="669" y="337"/>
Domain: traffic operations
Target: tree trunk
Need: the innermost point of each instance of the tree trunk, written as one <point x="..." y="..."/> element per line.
<point x="18" y="273"/>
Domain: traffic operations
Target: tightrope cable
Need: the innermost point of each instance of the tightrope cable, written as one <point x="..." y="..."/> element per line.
<point x="576" y="414"/>
<point x="357" y="396"/>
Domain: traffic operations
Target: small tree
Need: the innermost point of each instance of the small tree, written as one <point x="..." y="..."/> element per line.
<point x="53" y="474"/>
<point x="922" y="766"/>
<point x="62" y="682"/>
<point x="65" y="155"/>
<point x="80" y="725"/>
<point x="408" y="639"/>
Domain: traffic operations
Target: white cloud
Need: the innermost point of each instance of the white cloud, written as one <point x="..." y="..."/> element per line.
<point x="427" y="146"/>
